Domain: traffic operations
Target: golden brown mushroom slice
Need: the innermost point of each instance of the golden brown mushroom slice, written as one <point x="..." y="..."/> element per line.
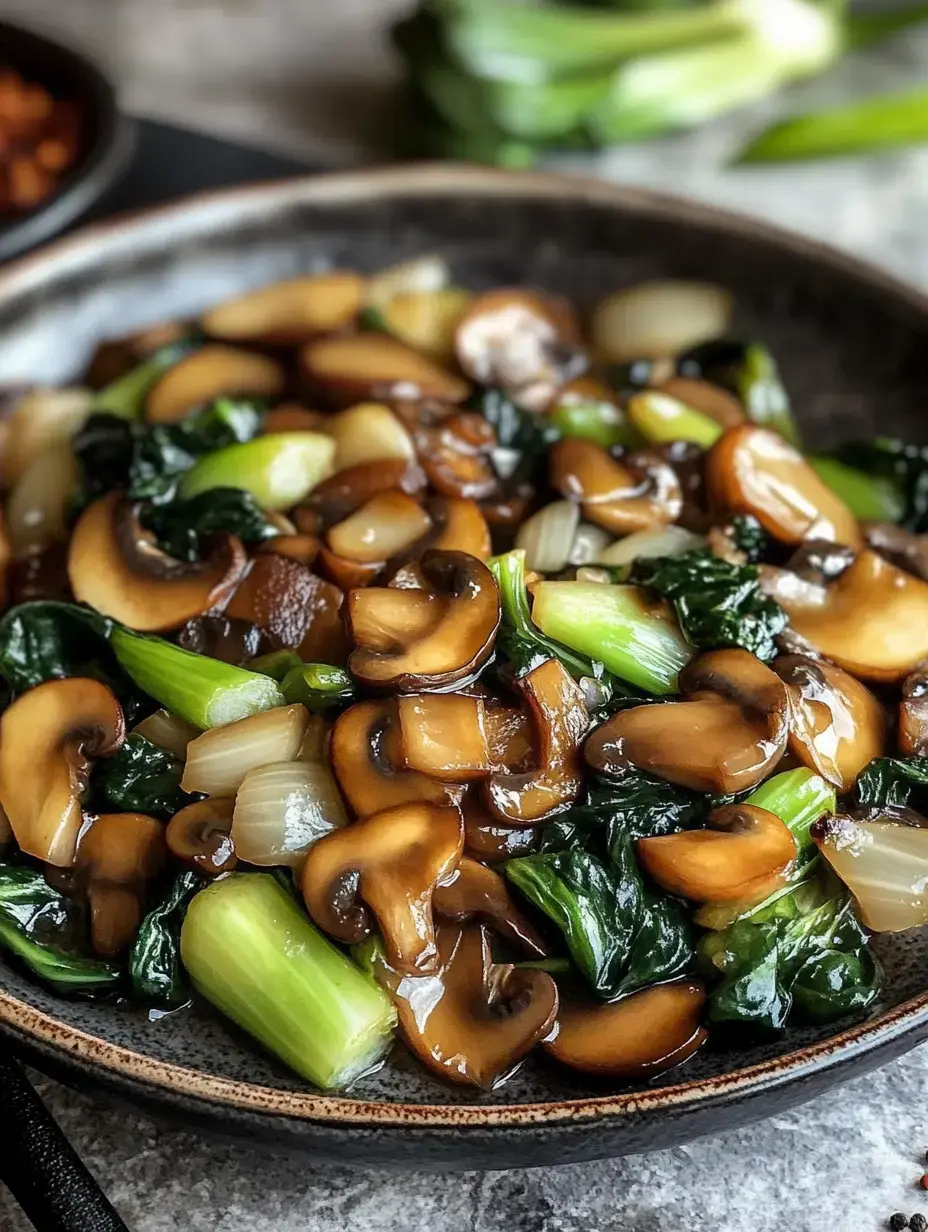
<point x="385" y="526"/>
<point x="293" y="417"/>
<point x="375" y="366"/>
<point x="642" y="1035"/>
<point x="296" y="609"/>
<point x="510" y="736"/>
<point x="199" y="836"/>
<point x="118" y="858"/>
<point x="456" y="456"/>
<point x="335" y="498"/>
<point x="708" y="399"/>
<point x="837" y="726"/>
<point x="872" y="619"/>
<point x="212" y="372"/>
<point x="459" y="526"/>
<point x="443" y="735"/>
<point x="387" y="866"/>
<point x="409" y="659"/>
<point x="115" y="565"/>
<point x="49" y="737"/>
<point x="475" y="892"/>
<point x="742" y="851"/>
<point x="913" y="714"/>
<point x="5" y="558"/>
<point x="753" y="470"/>
<point x="560" y="718"/>
<point x="302" y="548"/>
<point x="726" y="737"/>
<point x="367" y="758"/>
<point x="471" y="1022"/>
<point x="289" y="312"/>
<point x="639" y="493"/>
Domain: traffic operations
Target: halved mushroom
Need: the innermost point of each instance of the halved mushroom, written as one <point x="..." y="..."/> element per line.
<point x="642" y="1035"/>
<point x="118" y="858"/>
<point x="387" y="525"/>
<point x="708" y="399"/>
<point x="115" y="565"/>
<point x="557" y="710"/>
<point x="199" y="836"/>
<point x="521" y="341"/>
<point x="456" y="456"/>
<point x="913" y="714"/>
<point x="443" y="735"/>
<point x="296" y="609"/>
<point x="726" y="737"/>
<point x="744" y="849"/>
<point x="459" y="526"/>
<point x="837" y="726"/>
<point x="638" y="493"/>
<point x="367" y="758"/>
<point x="373" y="365"/>
<point x="510" y="732"/>
<point x="753" y="470"/>
<point x="211" y="372"/>
<point x="48" y="739"/>
<point x="347" y="490"/>
<point x="387" y="865"/>
<point x="475" y="892"/>
<point x="468" y="609"/>
<point x="872" y="620"/>
<point x="289" y="312"/>
<point x="473" y="1021"/>
<point x="302" y="548"/>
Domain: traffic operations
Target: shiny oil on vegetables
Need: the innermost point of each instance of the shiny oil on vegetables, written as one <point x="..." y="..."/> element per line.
<point x="384" y="658"/>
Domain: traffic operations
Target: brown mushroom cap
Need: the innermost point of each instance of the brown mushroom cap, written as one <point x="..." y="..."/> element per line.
<point x="913" y="714"/>
<point x="347" y="490"/>
<point x="221" y="637"/>
<point x="726" y="737"/>
<point x="475" y="892"/>
<point x="289" y="312"/>
<point x="872" y="620"/>
<point x="560" y="717"/>
<point x="208" y="373"/>
<point x="48" y="737"/>
<point x="296" y="609"/>
<point x="459" y="525"/>
<point x="642" y="1035"/>
<point x="386" y="865"/>
<point x="472" y="1022"/>
<point x="744" y="849"/>
<point x="373" y="365"/>
<point x="459" y="643"/>
<point x="199" y="836"/>
<point x="456" y="456"/>
<point x="836" y="724"/>
<point x="367" y="758"/>
<point x="753" y="470"/>
<point x="115" y="565"/>
<point x="118" y="857"/>
<point x="443" y="735"/>
<point x="708" y="399"/>
<point x="638" y="493"/>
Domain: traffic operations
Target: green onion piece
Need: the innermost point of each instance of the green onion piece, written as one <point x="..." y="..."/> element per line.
<point x="279" y="470"/>
<point x="600" y="422"/>
<point x="204" y="691"/>
<point x="763" y="393"/>
<point x="125" y="397"/>
<point x="872" y="498"/>
<point x="250" y="950"/>
<point x="319" y="686"/>
<point x="617" y="626"/>
<point x="661" y="419"/>
<point x="276" y="664"/>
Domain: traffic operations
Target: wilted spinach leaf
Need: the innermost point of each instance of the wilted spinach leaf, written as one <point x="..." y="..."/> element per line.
<point x="640" y="805"/>
<point x="142" y="778"/>
<point x="895" y="781"/>
<point x="522" y="437"/>
<point x="903" y="464"/>
<point x="718" y="604"/>
<point x="749" y="537"/>
<point x="155" y="968"/>
<point x="181" y="526"/>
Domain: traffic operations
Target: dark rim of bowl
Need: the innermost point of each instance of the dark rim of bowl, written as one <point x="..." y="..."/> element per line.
<point x="209" y="210"/>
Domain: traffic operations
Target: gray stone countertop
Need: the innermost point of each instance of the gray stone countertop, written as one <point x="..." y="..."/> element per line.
<point x="310" y="76"/>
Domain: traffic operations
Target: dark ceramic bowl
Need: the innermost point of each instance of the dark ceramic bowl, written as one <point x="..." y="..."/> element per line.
<point x="854" y="349"/>
<point x="108" y="137"/>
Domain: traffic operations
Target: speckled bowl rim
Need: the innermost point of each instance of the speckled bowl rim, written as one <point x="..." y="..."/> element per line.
<point x="210" y="211"/>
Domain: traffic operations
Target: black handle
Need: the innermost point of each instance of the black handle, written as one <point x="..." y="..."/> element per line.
<point x="41" y="1168"/>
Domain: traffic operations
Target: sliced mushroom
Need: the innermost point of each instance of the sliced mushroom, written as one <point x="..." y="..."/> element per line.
<point x="622" y="497"/>
<point x="221" y="637"/>
<point x="753" y="470"/>
<point x="208" y="373"/>
<point x="745" y="847"/>
<point x="913" y="714"/>
<point x="872" y="620"/>
<point x="443" y="735"/>
<point x="510" y="733"/>
<point x="522" y="342"/>
<point x="292" y="417"/>
<point x="115" y="565"/>
<point x="347" y="490"/>
<point x="458" y="645"/>
<point x="348" y="574"/>
<point x="556" y="707"/>
<point x="48" y="739"/>
<point x="387" y="525"/>
<point x="373" y="365"/>
<point x="295" y="609"/>
<point x="289" y="312"/>
<point x="726" y="737"/>
<point x="837" y="726"/>
<point x="367" y="758"/>
<point x="459" y="526"/>
<point x="199" y="836"/>
<point x="642" y="1035"/>
<point x="456" y="455"/>
<point x="475" y="892"/>
<point x="302" y="548"/>
<point x="900" y="546"/>
<point x="114" y="357"/>
<point x="708" y="399"/>
<point x="387" y="865"/>
<point x="118" y="858"/>
<point x="472" y="1022"/>
<point x="489" y="842"/>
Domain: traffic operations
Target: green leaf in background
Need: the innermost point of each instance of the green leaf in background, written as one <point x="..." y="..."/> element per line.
<point x="182" y="526"/>
<point x="902" y="465"/>
<point x="142" y="778"/>
<point x="864" y="29"/>
<point x="155" y="968"/>
<point x="748" y="370"/>
<point x="894" y="781"/>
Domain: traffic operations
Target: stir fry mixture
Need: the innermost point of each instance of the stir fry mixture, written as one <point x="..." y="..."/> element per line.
<point x="378" y="657"/>
<point x="40" y="139"/>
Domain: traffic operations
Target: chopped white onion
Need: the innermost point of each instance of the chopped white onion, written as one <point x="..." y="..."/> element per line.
<point x="548" y="535"/>
<point x="314" y="742"/>
<point x="428" y="273"/>
<point x="43" y="419"/>
<point x="369" y="432"/>
<point x="885" y="866"/>
<point x="167" y="731"/>
<point x="282" y="809"/>
<point x="589" y="542"/>
<point x="669" y="541"/>
<point x="656" y="319"/>
<point x="37" y="507"/>
<point x="218" y="760"/>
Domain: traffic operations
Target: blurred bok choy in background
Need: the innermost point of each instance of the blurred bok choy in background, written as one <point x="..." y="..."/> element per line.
<point x="504" y="81"/>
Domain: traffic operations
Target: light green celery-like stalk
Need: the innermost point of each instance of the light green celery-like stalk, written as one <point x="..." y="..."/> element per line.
<point x="125" y="397"/>
<point x="661" y="419"/>
<point x="204" y="691"/>
<point x="275" y="664"/>
<point x="872" y="498"/>
<point x="279" y="470"/>
<point x="600" y="422"/>
<point x="251" y="951"/>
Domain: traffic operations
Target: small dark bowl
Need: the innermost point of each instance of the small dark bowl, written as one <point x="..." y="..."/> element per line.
<point x="108" y="136"/>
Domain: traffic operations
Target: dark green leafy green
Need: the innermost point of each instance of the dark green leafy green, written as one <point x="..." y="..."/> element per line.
<point x="640" y="805"/>
<point x="895" y="781"/>
<point x="522" y="437"/>
<point x="718" y="604"/>
<point x="142" y="778"/>
<point x="318" y="686"/>
<point x="155" y="968"/>
<point x="48" y="640"/>
<point x="906" y="466"/>
<point x="749" y="537"/>
<point x="182" y="526"/>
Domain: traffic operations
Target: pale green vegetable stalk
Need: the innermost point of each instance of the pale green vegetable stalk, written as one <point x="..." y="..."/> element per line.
<point x="250" y="950"/>
<point x="661" y="419"/>
<point x="871" y="498"/>
<point x="125" y="397"/>
<point x="279" y="470"/>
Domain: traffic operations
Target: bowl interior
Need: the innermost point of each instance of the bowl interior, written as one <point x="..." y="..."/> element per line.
<point x="853" y="349"/>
